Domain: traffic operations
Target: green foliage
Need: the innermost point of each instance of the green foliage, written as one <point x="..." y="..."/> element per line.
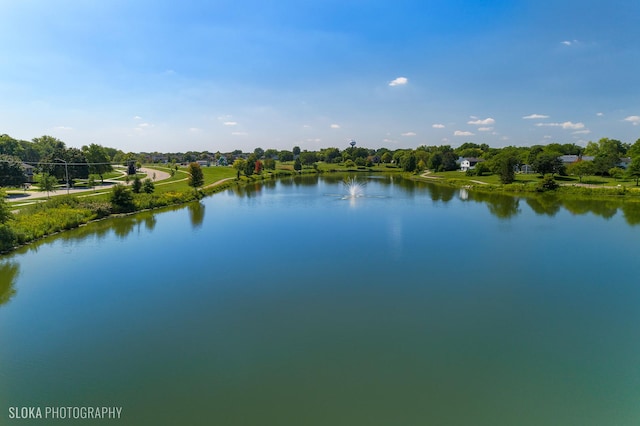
<point x="408" y="162"/>
<point x="148" y="186"/>
<point x="136" y="185"/>
<point x="481" y="168"/>
<point x="5" y="212"/>
<point x="48" y="183"/>
<point x="633" y="171"/>
<point x="504" y="164"/>
<point x="581" y="168"/>
<point x="269" y="164"/>
<point x="547" y="162"/>
<point x="196" y="177"/>
<point x="616" y="172"/>
<point x="8" y="238"/>
<point x="297" y="165"/>
<point x="547" y="183"/>
<point x="122" y="199"/>
<point x="98" y="158"/>
<point x="11" y="171"/>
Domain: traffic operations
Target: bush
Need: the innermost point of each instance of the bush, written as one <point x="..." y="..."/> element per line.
<point x="8" y="238"/>
<point x="547" y="184"/>
<point x="122" y="199"/>
<point x="148" y="186"/>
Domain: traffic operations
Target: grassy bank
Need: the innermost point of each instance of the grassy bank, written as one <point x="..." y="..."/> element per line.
<point x="591" y="187"/>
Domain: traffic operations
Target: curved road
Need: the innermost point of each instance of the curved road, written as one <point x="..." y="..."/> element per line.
<point x="153" y="174"/>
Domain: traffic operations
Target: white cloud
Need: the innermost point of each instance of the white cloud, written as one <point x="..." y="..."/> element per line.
<point x="239" y="133"/>
<point x="195" y="130"/>
<point x="484" y="122"/>
<point x="438" y="126"/>
<point x="63" y="128"/>
<point x="635" y="119"/>
<point x="599" y="114"/>
<point x="408" y="134"/>
<point x="335" y="126"/>
<point x="535" y="116"/>
<point x="567" y="125"/>
<point x="230" y="123"/>
<point x="461" y="133"/>
<point x="137" y="117"/>
<point x="400" y="81"/>
<point x="569" y="42"/>
<point x="581" y="132"/>
<point x="485" y="129"/>
<point x="143" y="125"/>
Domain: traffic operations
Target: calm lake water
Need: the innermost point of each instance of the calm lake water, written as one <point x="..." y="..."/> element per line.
<point x="289" y="304"/>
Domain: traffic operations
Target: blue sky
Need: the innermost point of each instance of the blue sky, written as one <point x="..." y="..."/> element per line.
<point x="223" y="75"/>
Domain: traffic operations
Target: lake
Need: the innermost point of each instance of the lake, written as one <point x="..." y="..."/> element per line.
<point x="292" y="303"/>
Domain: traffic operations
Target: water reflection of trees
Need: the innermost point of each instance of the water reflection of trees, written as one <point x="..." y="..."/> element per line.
<point x="604" y="208"/>
<point x="546" y="204"/>
<point x="437" y="192"/>
<point x="9" y="272"/>
<point x="196" y="214"/>
<point x="500" y="205"/>
<point x="631" y="212"/>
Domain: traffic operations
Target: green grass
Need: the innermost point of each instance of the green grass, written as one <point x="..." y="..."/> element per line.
<point x="534" y="179"/>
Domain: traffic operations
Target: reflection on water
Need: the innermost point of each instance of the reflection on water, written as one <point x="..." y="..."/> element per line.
<point x="196" y="214"/>
<point x="506" y="206"/>
<point x="8" y="274"/>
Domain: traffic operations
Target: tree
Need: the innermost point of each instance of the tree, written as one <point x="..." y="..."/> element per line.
<point x="76" y="164"/>
<point x="48" y="183"/>
<point x="250" y="165"/>
<point x="547" y="163"/>
<point x="296" y="150"/>
<point x="269" y="164"/>
<point x="258" y="152"/>
<point x="239" y="165"/>
<point x="122" y="199"/>
<point x="5" y="212"/>
<point x="136" y="185"/>
<point x="616" y="172"/>
<point x="297" y="165"/>
<point x="286" y="155"/>
<point x="98" y="159"/>
<point x="196" y="177"/>
<point x="148" y="186"/>
<point x="581" y="168"/>
<point x="386" y="157"/>
<point x="258" y="167"/>
<point x="504" y="164"/>
<point x="308" y="158"/>
<point x="408" y="162"/>
<point x="633" y="170"/>
<point x="11" y="171"/>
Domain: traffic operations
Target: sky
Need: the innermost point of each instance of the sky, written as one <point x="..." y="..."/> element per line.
<point x="220" y="75"/>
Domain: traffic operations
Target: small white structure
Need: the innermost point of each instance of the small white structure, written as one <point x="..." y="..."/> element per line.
<point x="469" y="163"/>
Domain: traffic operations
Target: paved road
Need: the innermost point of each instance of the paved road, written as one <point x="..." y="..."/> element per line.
<point x="108" y="183"/>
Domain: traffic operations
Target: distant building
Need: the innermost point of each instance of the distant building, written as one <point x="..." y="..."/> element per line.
<point x="28" y="172"/>
<point x="469" y="163"/>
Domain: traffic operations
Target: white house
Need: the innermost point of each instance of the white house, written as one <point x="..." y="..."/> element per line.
<point x="469" y="163"/>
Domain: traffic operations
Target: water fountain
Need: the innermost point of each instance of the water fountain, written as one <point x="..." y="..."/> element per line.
<point x="354" y="188"/>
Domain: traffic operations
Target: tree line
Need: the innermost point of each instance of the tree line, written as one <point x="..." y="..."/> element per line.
<point x="604" y="158"/>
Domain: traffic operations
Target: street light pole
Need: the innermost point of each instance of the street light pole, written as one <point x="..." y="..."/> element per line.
<point x="66" y="170"/>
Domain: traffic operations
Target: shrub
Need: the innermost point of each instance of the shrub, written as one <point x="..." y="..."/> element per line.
<point x="547" y="184"/>
<point x="148" y="186"/>
<point x="122" y="199"/>
<point x="8" y="238"/>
